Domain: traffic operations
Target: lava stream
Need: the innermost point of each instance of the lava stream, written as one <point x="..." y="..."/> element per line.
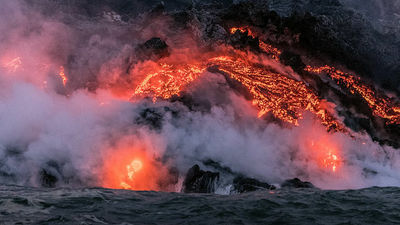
<point x="168" y="81"/>
<point x="272" y="92"/>
<point x="380" y="105"/>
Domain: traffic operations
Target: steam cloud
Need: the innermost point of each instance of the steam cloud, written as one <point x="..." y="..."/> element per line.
<point x="70" y="132"/>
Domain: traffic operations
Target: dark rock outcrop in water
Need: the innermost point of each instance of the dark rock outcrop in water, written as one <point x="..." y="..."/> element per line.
<point x="240" y="183"/>
<point x="199" y="181"/>
<point x="296" y="183"/>
<point x="47" y="179"/>
<point x="244" y="184"/>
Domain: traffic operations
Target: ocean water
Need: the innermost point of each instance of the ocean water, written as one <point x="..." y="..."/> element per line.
<point x="24" y="205"/>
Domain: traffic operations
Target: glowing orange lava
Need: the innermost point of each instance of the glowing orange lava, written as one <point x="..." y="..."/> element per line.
<point x="380" y="105"/>
<point x="131" y="169"/>
<point x="63" y="76"/>
<point x="168" y="81"/>
<point x="285" y="97"/>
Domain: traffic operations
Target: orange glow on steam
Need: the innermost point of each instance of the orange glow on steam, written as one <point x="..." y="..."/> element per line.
<point x="380" y="105"/>
<point x="131" y="169"/>
<point x="242" y="30"/>
<point x="326" y="154"/>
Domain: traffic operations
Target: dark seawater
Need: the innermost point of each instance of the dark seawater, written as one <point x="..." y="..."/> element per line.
<point x="22" y="205"/>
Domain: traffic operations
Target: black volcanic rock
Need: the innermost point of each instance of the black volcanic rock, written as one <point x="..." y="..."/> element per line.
<point x="241" y="183"/>
<point x="153" y="49"/>
<point x="242" y="40"/>
<point x="291" y="59"/>
<point x="151" y="117"/>
<point x="244" y="184"/>
<point x="296" y="183"/>
<point x="199" y="181"/>
<point x="47" y="179"/>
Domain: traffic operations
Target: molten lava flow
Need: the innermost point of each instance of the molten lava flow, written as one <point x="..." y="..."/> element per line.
<point x="242" y="30"/>
<point x="272" y="92"/>
<point x="131" y="169"/>
<point x="168" y="81"/>
<point x="286" y="98"/>
<point x="269" y="49"/>
<point x="381" y="106"/>
<point x="63" y="76"/>
<point x="266" y="48"/>
<point x="13" y="65"/>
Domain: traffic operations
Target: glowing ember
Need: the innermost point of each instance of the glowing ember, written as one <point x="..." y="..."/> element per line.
<point x="242" y="30"/>
<point x="168" y="81"/>
<point x="63" y="76"/>
<point x="13" y="65"/>
<point x="381" y="106"/>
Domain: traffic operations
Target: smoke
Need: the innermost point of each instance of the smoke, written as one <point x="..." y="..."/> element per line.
<point x="84" y="131"/>
<point x="232" y="135"/>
